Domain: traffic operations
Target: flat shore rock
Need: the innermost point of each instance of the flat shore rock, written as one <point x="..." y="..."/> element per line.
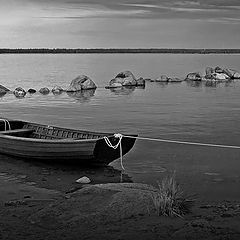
<point x="103" y="211"/>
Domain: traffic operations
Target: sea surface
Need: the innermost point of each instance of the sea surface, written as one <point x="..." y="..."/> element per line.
<point x="195" y="112"/>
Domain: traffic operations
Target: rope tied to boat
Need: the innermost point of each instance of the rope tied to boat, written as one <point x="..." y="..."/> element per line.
<point x="119" y="143"/>
<point x="120" y="136"/>
<point x="6" y="124"/>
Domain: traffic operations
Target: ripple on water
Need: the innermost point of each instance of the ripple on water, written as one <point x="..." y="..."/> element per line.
<point x="212" y="173"/>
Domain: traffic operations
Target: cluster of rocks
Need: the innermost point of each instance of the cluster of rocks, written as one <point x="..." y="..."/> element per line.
<point x="214" y="74"/>
<point x="125" y="79"/>
<point x="167" y="79"/>
<point x="81" y="82"/>
<point x="20" y="92"/>
<point x="221" y="73"/>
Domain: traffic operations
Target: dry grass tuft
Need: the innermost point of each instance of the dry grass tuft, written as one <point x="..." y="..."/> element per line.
<point x="168" y="200"/>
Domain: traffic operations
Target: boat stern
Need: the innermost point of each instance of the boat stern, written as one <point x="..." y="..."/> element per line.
<point x="105" y="154"/>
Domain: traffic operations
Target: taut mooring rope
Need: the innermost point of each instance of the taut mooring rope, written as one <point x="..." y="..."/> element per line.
<point x="120" y="136"/>
<point x="184" y="142"/>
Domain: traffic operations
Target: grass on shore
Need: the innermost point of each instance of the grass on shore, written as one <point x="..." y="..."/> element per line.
<point x="169" y="199"/>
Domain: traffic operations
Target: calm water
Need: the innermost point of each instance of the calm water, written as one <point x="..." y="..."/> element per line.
<point x="181" y="111"/>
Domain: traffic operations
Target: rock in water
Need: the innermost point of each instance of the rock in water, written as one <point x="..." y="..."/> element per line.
<point x="220" y="76"/>
<point x="209" y="71"/>
<point x="57" y="90"/>
<point x="140" y="82"/>
<point x="128" y="78"/>
<point x="194" y="77"/>
<point x="3" y="89"/>
<point x="221" y="73"/>
<point x="125" y="78"/>
<point x="163" y="78"/>
<point x="114" y="84"/>
<point x="19" y="92"/>
<point x="84" y="180"/>
<point x="219" y="70"/>
<point x="44" y="91"/>
<point x="81" y="82"/>
<point x="174" y="80"/>
<point x="228" y="72"/>
<point x="31" y="90"/>
<point x="235" y="74"/>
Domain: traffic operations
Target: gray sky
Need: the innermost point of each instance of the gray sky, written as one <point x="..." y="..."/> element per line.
<point x="120" y="23"/>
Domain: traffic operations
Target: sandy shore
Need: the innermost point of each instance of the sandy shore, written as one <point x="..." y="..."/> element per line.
<point x="37" y="202"/>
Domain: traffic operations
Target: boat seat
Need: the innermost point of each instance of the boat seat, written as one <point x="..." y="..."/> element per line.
<point x="18" y="132"/>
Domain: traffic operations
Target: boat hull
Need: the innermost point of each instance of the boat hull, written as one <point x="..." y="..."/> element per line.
<point x="66" y="150"/>
<point x="78" y="151"/>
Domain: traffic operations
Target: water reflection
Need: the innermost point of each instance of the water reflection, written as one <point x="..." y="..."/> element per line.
<point x="126" y="90"/>
<point x="196" y="84"/>
<point x="229" y="83"/>
<point x="208" y="83"/>
<point x="57" y="175"/>
<point x="162" y="84"/>
<point x="56" y="93"/>
<point x="211" y="84"/>
<point x="83" y="95"/>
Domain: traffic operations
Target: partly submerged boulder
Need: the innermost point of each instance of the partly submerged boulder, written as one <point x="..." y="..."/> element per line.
<point x="140" y="82"/>
<point x="216" y="74"/>
<point x="3" y="89"/>
<point x="225" y="73"/>
<point x="31" y="90"/>
<point x="19" y="92"/>
<point x="166" y="79"/>
<point x="114" y="84"/>
<point x="125" y="78"/>
<point x="209" y="71"/>
<point x="57" y="90"/>
<point x="174" y="80"/>
<point x="194" y="76"/>
<point x="81" y="82"/>
<point x="234" y="74"/>
<point x="44" y="91"/>
<point x="162" y="78"/>
<point x="228" y="72"/>
<point x="218" y="70"/>
<point x="220" y="76"/>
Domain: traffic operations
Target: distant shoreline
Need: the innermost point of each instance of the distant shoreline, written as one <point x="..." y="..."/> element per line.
<point x="116" y="50"/>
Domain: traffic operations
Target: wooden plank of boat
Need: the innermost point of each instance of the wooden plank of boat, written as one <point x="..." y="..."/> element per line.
<point x="51" y="143"/>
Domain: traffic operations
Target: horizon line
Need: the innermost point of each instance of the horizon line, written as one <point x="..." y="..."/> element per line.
<point x="120" y="50"/>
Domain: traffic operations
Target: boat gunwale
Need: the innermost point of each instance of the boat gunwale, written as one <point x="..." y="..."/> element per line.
<point x="61" y="140"/>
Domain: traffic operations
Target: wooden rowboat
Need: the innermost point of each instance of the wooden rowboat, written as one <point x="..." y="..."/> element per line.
<point x="42" y="142"/>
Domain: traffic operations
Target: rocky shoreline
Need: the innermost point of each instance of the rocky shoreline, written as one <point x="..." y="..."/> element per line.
<point x="126" y="79"/>
<point x="47" y="203"/>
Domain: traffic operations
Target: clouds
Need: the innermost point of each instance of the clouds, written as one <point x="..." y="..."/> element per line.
<point x="207" y="9"/>
<point x="160" y="9"/>
<point x="122" y="23"/>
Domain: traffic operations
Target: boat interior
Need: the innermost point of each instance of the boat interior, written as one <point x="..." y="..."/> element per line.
<point x="33" y="130"/>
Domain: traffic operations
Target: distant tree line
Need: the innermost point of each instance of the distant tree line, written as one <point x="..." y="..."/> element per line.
<point x="115" y="50"/>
